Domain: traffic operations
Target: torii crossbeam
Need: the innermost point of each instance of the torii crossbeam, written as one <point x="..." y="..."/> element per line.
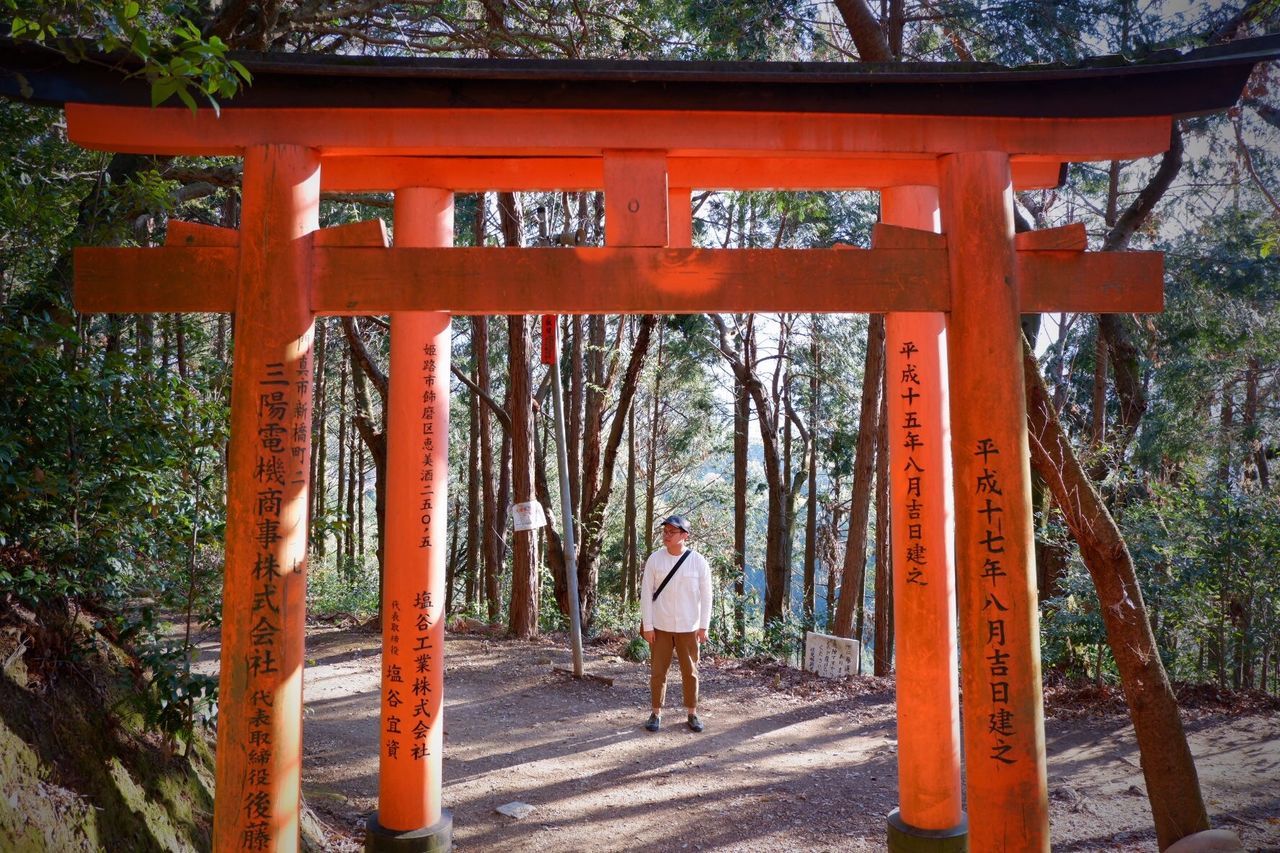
<point x="947" y="148"/>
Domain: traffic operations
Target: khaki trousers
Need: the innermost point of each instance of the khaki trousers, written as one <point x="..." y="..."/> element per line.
<point x="685" y="646"/>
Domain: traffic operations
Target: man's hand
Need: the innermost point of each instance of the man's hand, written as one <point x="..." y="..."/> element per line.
<point x="702" y="635"/>
<point x="648" y="635"/>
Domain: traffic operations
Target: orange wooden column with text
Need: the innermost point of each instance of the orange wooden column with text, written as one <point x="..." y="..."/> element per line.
<point x="259" y="758"/>
<point x="1003" y="711"/>
<point x="410" y="817"/>
<point x="929" y="814"/>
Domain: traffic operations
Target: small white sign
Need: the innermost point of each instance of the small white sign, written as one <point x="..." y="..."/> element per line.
<point x="830" y="657"/>
<point x="529" y="516"/>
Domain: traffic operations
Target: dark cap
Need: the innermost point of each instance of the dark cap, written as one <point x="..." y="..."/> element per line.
<point x="677" y="521"/>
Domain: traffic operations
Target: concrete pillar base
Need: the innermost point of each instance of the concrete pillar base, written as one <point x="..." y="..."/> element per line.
<point x="904" y="838"/>
<point x="437" y="838"/>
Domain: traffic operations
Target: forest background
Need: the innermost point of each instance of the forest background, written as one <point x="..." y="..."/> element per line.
<point x="765" y="430"/>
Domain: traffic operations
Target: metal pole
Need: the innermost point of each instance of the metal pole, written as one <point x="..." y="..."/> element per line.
<point x="566" y="504"/>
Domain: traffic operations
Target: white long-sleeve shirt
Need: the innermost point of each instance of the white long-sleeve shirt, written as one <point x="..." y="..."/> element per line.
<point x="685" y="603"/>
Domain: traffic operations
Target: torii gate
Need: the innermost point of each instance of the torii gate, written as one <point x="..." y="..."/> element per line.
<point x="946" y="150"/>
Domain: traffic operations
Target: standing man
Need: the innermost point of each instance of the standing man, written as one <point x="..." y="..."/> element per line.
<point x="675" y="612"/>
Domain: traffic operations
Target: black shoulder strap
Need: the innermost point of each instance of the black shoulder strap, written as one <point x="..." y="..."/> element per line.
<point x="671" y="574"/>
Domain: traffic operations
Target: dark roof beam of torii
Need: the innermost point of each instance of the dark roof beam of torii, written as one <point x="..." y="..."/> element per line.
<point x="1100" y="109"/>
<point x="1162" y="83"/>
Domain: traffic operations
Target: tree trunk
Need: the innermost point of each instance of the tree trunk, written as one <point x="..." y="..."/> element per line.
<point x="474" y="507"/>
<point x="451" y="569"/>
<point x="146" y="326"/>
<point x="883" y="661"/>
<point x="1118" y="330"/>
<point x="491" y="532"/>
<point x="573" y="424"/>
<point x="853" y="576"/>
<point x="651" y="487"/>
<point x="349" y="556"/>
<point x="630" y="560"/>
<point x="555" y="522"/>
<point x="504" y="495"/>
<point x="1254" y="458"/>
<point x="1099" y="424"/>
<point x="373" y="436"/>
<point x="743" y="361"/>
<point x="741" y="416"/>
<point x="1226" y="422"/>
<point x="180" y="343"/>
<point x="523" y="611"/>
<point x="361" y="466"/>
<point x="865" y="29"/>
<point x="340" y="545"/>
<point x="591" y="511"/>
<point x="831" y="553"/>
<point x="1167" y="765"/>
<point x="593" y="516"/>
<point x="319" y="438"/>
<point x="811" y="519"/>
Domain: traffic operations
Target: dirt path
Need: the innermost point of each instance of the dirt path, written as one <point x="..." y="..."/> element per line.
<point x="786" y="763"/>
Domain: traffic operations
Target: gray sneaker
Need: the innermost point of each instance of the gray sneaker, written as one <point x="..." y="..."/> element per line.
<point x="655" y="723"/>
<point x="695" y="725"/>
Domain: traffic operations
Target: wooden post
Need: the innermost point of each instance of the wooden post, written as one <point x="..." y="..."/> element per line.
<point x="995" y="562"/>
<point x="259" y="758"/>
<point x="929" y="814"/>
<point x="409" y="816"/>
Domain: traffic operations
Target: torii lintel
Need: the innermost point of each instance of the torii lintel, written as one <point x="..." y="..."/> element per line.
<point x="373" y="279"/>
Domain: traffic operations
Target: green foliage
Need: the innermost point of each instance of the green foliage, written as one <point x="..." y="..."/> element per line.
<point x="343" y="588"/>
<point x="173" y="701"/>
<point x="91" y="454"/>
<point x="636" y="649"/>
<point x="1209" y="575"/>
<point x="176" y="59"/>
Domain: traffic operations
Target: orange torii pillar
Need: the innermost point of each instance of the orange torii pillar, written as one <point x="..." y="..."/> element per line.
<point x="929" y="816"/>
<point x="409" y="818"/>
<point x="259" y="757"/>
<point x="1003" y="710"/>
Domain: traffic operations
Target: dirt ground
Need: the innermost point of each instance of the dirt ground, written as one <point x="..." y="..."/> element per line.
<point x="787" y="762"/>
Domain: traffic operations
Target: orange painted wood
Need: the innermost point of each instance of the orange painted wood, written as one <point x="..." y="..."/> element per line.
<point x="413" y="593"/>
<point x="166" y="279"/>
<point x="259" y="751"/>
<point x="887" y="236"/>
<point x="532" y="132"/>
<point x="635" y="198"/>
<point x="1065" y="238"/>
<point x="462" y="174"/>
<point x="368" y="232"/>
<point x="626" y="280"/>
<point x="480" y="174"/>
<point x="680" y="217"/>
<point x="1006" y="786"/>
<point x="180" y="233"/>
<point x="921" y="532"/>
<point x="613" y="280"/>
<point x="1091" y="282"/>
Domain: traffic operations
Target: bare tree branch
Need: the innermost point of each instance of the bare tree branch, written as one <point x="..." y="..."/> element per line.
<point x="364" y="360"/>
<point x="494" y="405"/>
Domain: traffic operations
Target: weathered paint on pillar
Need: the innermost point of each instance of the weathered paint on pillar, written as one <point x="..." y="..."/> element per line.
<point x="259" y="758"/>
<point x="412" y="726"/>
<point x="922" y="524"/>
<point x="995" y="562"/>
